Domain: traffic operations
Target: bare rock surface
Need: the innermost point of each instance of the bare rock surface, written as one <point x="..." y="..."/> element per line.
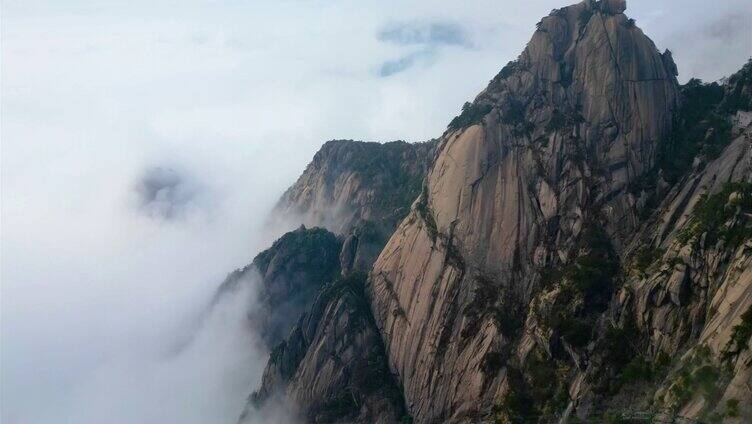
<point x="568" y="126"/>
<point x="578" y="243"/>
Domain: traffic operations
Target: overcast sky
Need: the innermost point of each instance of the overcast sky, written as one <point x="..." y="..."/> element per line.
<point x="144" y="141"/>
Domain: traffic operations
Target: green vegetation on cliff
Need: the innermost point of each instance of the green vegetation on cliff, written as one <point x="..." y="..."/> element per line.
<point x="314" y="250"/>
<point x="722" y="216"/>
<point x="701" y="125"/>
<point x="471" y="114"/>
<point x="740" y="336"/>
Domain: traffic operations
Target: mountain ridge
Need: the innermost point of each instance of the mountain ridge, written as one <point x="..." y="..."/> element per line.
<point x="579" y="244"/>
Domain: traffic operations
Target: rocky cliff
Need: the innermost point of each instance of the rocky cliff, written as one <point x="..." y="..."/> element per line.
<point x="532" y="184"/>
<point x="332" y="366"/>
<point x="288" y="276"/>
<point x="328" y="359"/>
<point x="578" y="246"/>
<point x="358" y="190"/>
<point x="349" y="182"/>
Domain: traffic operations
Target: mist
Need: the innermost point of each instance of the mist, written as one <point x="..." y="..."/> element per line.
<point x="145" y="143"/>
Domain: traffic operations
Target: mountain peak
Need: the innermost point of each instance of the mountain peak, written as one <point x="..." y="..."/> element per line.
<point x="544" y="250"/>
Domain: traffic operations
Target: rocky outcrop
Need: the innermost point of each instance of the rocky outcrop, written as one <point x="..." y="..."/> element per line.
<point x="691" y="292"/>
<point x="328" y="363"/>
<point x="289" y="274"/>
<point x="332" y="367"/>
<point x="579" y="245"/>
<point x="349" y="182"/>
<point x="358" y="190"/>
<point x="567" y="128"/>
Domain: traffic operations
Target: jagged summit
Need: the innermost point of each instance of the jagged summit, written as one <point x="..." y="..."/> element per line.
<point x="516" y="190"/>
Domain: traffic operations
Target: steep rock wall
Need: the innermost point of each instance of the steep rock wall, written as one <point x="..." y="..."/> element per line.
<point x="580" y="247"/>
<point x="351" y="181"/>
<point x="332" y="367"/>
<point x="562" y="132"/>
<point x="359" y="190"/>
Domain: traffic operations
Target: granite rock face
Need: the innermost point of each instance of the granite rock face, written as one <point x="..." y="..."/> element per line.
<point x="360" y="191"/>
<point x="331" y="365"/>
<point x="568" y="127"/>
<point x="579" y="244"/>
<point x="349" y="182"/>
<point x="690" y="300"/>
